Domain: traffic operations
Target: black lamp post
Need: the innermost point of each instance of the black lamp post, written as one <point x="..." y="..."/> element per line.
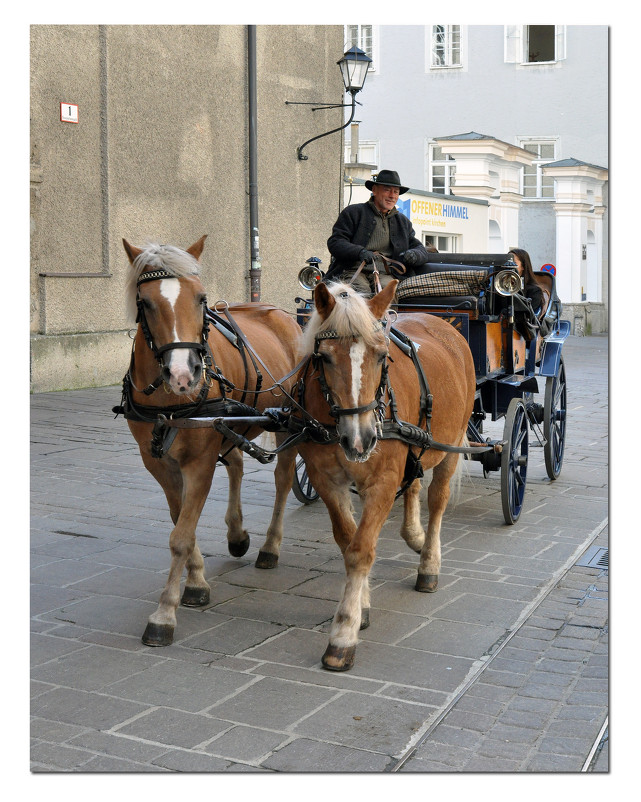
<point x="353" y="65"/>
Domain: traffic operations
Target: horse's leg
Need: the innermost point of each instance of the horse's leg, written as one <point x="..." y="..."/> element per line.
<point x="412" y="530"/>
<point x="283" y="477"/>
<point x="359" y="554"/>
<point x="237" y="537"/>
<point x="197" y="590"/>
<point x="197" y="477"/>
<point x="341" y="514"/>
<point x="438" y="495"/>
<point x="167" y="473"/>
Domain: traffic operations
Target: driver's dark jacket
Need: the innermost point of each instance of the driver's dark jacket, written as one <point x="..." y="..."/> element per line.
<point x="352" y="231"/>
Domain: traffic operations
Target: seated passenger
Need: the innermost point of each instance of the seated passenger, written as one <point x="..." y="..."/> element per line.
<point x="526" y="321"/>
<point x="531" y="288"/>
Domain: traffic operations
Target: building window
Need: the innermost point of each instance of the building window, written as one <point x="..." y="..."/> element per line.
<point x="442" y="243"/>
<point x="363" y="36"/>
<point x="534" y="44"/>
<point x="535" y="184"/>
<point x="446" y="46"/>
<point x="441" y="171"/>
<point x="367" y="152"/>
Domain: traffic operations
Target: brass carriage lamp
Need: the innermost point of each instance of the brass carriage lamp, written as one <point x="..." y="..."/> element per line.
<point x="353" y="66"/>
<point x="311" y="275"/>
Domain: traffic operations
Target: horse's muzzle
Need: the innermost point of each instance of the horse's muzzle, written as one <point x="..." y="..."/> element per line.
<point x="183" y="375"/>
<point x="357" y="442"/>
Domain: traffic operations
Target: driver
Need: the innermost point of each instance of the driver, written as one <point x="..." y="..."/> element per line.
<point x="374" y="226"/>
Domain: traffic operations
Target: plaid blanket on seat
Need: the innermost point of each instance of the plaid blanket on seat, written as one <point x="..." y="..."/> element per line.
<point x="460" y="282"/>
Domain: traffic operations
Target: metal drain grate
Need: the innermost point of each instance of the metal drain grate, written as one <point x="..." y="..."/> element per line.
<point x="595" y="557"/>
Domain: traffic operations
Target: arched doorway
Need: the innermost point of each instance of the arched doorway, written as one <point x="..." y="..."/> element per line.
<point x="495" y="240"/>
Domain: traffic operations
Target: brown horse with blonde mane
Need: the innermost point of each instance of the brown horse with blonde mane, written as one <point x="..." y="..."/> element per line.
<point x="205" y="368"/>
<point x="347" y="390"/>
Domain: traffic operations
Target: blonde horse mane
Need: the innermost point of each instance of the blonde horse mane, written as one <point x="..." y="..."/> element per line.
<point x="161" y="257"/>
<point x="351" y="317"/>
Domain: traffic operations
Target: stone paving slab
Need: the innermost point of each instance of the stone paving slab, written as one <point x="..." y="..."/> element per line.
<point x="549" y="720"/>
<point x="504" y="669"/>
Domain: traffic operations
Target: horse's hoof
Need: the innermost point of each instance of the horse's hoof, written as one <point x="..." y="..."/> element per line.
<point x="238" y="547"/>
<point x="158" y="635"/>
<point x="339" y="658"/>
<point x="195" y="597"/>
<point x="266" y="559"/>
<point x="364" y="618"/>
<point x="426" y="583"/>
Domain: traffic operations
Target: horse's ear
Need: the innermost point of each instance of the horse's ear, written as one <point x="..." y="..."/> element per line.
<point x="379" y="304"/>
<point x="323" y="300"/>
<point x="197" y="248"/>
<point x="132" y="251"/>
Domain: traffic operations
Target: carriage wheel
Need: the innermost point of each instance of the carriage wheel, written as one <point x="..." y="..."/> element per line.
<point x="514" y="460"/>
<point x="554" y="417"/>
<point x="302" y="487"/>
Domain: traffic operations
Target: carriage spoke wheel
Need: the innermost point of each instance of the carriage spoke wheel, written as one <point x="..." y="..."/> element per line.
<point x="302" y="487"/>
<point x="554" y="417"/>
<point x="514" y="460"/>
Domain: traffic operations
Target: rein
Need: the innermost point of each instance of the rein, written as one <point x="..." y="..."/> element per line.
<point x="399" y="266"/>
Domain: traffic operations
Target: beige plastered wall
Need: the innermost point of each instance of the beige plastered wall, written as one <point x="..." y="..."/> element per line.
<point x="160" y="153"/>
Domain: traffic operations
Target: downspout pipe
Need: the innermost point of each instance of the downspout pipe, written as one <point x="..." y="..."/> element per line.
<point x="255" y="270"/>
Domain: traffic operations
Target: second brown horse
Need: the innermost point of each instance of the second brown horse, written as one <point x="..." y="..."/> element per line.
<point x="351" y="350"/>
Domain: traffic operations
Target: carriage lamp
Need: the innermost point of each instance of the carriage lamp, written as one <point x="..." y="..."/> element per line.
<point x="508" y="282"/>
<point x="353" y="66"/>
<point x="311" y="275"/>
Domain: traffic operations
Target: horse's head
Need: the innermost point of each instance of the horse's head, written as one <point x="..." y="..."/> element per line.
<point x="170" y="303"/>
<point x="350" y="348"/>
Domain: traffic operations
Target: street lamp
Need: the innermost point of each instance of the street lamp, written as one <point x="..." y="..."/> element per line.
<point x="353" y="66"/>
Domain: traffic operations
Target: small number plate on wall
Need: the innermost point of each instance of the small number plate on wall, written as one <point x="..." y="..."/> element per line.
<point x="68" y="113"/>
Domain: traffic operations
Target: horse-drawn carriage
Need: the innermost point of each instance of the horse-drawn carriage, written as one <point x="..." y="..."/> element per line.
<point x="512" y="345"/>
<point x="383" y="393"/>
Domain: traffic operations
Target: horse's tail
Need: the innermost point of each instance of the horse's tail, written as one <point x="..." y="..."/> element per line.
<point x="457" y="476"/>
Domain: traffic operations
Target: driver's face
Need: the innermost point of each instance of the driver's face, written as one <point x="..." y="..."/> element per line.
<point x="385" y="197"/>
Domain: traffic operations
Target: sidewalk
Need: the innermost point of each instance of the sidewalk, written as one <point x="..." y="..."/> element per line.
<point x="504" y="669"/>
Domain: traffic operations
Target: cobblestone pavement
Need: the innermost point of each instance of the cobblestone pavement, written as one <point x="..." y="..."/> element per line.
<point x="504" y="669"/>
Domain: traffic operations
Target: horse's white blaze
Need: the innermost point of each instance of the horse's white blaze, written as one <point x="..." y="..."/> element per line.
<point x="357" y="355"/>
<point x="170" y="290"/>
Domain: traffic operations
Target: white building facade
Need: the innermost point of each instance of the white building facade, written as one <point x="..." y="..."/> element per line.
<point x="515" y="116"/>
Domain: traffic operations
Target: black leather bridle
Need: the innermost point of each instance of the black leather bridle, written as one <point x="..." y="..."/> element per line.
<point x="201" y="348"/>
<point x="334" y="410"/>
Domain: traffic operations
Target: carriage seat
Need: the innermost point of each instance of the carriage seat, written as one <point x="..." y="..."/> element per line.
<point x="546" y="283"/>
<point x="454" y="289"/>
<point x="468" y="303"/>
<point x="552" y="306"/>
<point x="452" y="280"/>
<point x="464" y="261"/>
